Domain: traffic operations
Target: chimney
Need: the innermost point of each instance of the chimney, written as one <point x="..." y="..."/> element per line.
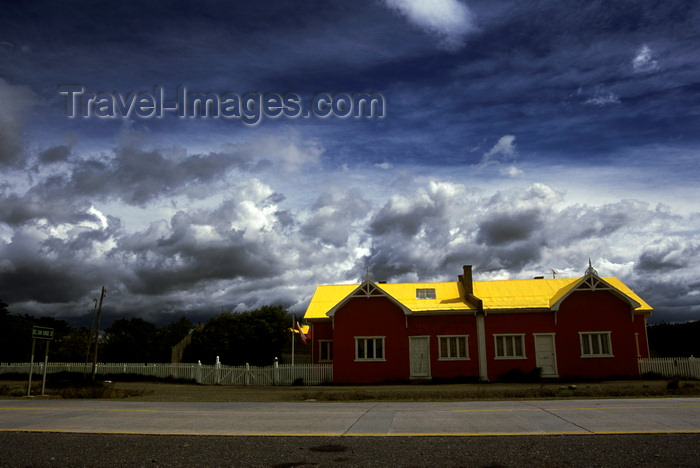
<point x="466" y="280"/>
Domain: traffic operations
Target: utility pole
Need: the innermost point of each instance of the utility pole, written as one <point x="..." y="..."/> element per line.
<point x="90" y="339"/>
<point x="97" y="334"/>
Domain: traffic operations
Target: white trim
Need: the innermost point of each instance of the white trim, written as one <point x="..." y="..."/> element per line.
<point x="522" y="342"/>
<point x="367" y="289"/>
<point x="374" y="351"/>
<point x="609" y="354"/>
<point x="592" y="282"/>
<point x="481" y="348"/>
<point x="554" y="351"/>
<point x="410" y="354"/>
<point x="452" y="358"/>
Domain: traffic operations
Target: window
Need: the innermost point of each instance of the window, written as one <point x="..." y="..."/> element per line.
<point x="326" y="350"/>
<point x="425" y="293"/>
<point x="370" y="348"/>
<point x="510" y="346"/>
<point x="453" y="347"/>
<point x="595" y="344"/>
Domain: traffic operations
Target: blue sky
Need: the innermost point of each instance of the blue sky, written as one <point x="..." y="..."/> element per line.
<point x="520" y="137"/>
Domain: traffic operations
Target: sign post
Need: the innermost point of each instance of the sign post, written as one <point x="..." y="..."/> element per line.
<point x="39" y="333"/>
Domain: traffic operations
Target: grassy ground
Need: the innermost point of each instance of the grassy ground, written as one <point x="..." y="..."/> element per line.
<point x="167" y="392"/>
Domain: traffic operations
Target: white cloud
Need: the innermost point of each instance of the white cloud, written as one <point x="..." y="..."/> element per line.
<point x="504" y="149"/>
<point x="505" y="146"/>
<point x="510" y="171"/>
<point x="450" y="20"/>
<point x="602" y="97"/>
<point x="644" y="61"/>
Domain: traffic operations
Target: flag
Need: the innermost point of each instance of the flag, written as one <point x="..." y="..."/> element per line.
<point x="297" y="329"/>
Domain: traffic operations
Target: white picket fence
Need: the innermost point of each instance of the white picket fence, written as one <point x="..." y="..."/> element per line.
<point x="218" y="374"/>
<point x="688" y="368"/>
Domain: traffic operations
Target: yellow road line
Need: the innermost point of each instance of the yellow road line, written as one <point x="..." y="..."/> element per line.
<point x="495" y="410"/>
<point x="416" y="434"/>
<point x="81" y="409"/>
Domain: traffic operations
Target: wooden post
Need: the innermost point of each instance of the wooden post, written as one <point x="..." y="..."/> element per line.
<point x="31" y="368"/>
<point x="97" y="334"/>
<point x="46" y="365"/>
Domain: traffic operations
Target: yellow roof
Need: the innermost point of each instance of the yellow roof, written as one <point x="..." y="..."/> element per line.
<point x="449" y="296"/>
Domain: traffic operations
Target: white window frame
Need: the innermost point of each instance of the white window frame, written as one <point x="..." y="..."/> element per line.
<point x="426" y="293"/>
<point x="509" y="337"/>
<point x="450" y="339"/>
<point x="328" y="355"/>
<point x="591" y="340"/>
<point x="367" y="340"/>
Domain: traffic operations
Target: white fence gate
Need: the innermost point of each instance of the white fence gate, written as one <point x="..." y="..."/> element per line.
<point x="688" y="368"/>
<point x="218" y="374"/>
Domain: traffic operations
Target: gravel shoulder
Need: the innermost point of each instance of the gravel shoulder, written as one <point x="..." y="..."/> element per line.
<point x="189" y="392"/>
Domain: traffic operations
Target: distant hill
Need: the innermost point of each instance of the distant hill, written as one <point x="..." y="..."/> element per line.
<point x="674" y="339"/>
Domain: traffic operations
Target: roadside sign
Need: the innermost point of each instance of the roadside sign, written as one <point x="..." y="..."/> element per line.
<point x="42" y="333"/>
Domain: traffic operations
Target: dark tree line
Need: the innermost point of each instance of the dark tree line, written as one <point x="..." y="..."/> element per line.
<point x="255" y="337"/>
<point x="69" y="343"/>
<point x="674" y="339"/>
<point x="137" y="340"/>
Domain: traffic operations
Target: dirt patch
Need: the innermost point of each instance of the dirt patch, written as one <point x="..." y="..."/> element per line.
<point x="172" y="392"/>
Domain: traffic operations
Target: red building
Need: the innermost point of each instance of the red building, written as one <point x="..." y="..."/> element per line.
<point x="588" y="327"/>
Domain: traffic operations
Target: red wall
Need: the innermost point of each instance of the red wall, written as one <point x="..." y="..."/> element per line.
<point x="433" y="326"/>
<point x="598" y="311"/>
<point x="370" y="317"/>
<point x="516" y="323"/>
<point x="319" y="331"/>
<point x="585" y="311"/>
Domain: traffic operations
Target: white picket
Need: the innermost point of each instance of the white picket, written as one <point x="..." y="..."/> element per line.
<point x="670" y="367"/>
<point x="285" y="374"/>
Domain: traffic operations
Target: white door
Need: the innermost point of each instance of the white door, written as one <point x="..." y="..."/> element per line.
<point x="419" y="349"/>
<point x="545" y="355"/>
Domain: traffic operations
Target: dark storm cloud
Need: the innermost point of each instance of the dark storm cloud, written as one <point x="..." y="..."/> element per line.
<point x="15" y="102"/>
<point x="38" y="266"/>
<point x="332" y="215"/>
<point x="42" y="203"/>
<point x="196" y="247"/>
<point x="131" y="174"/>
<point x="54" y="154"/>
<point x="407" y="217"/>
<point x="137" y="176"/>
<point x="508" y="228"/>
<point x="668" y="255"/>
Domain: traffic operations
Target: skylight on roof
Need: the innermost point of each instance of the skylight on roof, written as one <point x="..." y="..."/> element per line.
<point x="425" y="293"/>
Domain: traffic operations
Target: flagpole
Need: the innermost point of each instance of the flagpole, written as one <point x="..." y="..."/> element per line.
<point x="294" y="320"/>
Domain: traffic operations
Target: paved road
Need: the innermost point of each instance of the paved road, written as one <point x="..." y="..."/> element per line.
<point x="49" y="449"/>
<point x="646" y="432"/>
<point x="553" y="417"/>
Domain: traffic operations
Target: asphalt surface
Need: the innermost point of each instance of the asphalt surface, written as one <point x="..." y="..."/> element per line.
<point x="545" y="417"/>
<point x="77" y="450"/>
<point x="625" y="432"/>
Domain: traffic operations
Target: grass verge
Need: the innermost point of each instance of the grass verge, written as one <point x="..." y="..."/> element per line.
<point x="189" y="392"/>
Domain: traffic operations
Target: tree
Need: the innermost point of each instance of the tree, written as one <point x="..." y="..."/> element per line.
<point x="674" y="339"/>
<point x="15" y="336"/>
<point x="255" y="337"/>
<point x="170" y="335"/>
<point x="73" y="347"/>
<point x="130" y="340"/>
